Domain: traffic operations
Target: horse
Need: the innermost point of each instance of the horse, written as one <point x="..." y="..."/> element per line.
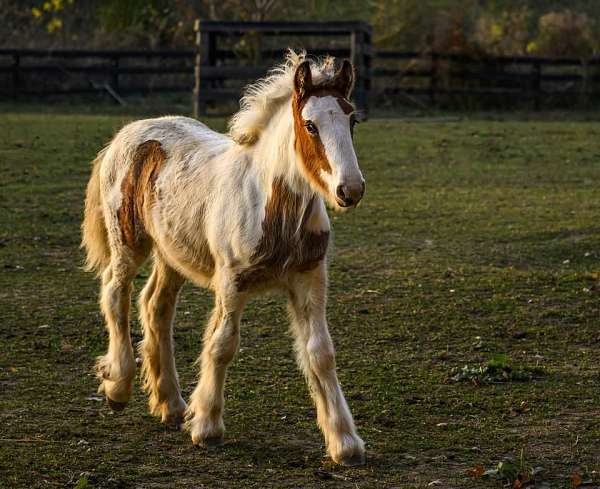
<point x="242" y="214"/>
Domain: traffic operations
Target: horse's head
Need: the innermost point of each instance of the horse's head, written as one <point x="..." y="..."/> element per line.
<point x="324" y="120"/>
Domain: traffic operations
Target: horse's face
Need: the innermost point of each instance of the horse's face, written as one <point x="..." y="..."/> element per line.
<point x="323" y="123"/>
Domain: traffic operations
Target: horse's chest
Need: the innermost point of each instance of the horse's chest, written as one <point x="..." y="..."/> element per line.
<point x="293" y="238"/>
<point x="281" y="253"/>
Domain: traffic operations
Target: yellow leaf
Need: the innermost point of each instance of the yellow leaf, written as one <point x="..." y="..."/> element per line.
<point x="36" y="12"/>
<point x="54" y="25"/>
<point x="532" y="47"/>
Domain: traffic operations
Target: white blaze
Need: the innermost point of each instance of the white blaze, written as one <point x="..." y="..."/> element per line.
<point x="334" y="130"/>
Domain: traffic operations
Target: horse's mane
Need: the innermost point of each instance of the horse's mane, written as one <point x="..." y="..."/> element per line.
<point x="263" y="98"/>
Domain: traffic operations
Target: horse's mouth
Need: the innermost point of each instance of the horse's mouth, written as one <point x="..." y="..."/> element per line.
<point x="346" y="205"/>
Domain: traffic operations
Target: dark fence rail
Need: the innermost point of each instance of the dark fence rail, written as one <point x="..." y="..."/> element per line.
<point x="36" y="72"/>
<point x="504" y="78"/>
<point x="388" y="76"/>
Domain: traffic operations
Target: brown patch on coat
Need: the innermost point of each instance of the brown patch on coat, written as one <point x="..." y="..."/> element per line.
<point x="138" y="194"/>
<point x="286" y="243"/>
<point x="309" y="147"/>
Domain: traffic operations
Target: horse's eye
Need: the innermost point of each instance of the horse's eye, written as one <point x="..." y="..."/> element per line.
<point x="311" y="128"/>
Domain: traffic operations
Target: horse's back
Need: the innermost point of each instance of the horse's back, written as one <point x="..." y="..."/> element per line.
<point x="177" y="140"/>
<point x="179" y="136"/>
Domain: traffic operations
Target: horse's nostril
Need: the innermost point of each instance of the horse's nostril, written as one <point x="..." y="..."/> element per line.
<point x="345" y="195"/>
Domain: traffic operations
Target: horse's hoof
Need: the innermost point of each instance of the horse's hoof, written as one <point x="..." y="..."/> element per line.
<point x="116" y="406"/>
<point x="211" y="442"/>
<point x="353" y="459"/>
<point x="174" y="422"/>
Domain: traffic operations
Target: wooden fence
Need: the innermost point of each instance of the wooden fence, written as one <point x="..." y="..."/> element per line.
<point x="508" y="79"/>
<point x="385" y="77"/>
<point x="37" y="72"/>
<point x="341" y="39"/>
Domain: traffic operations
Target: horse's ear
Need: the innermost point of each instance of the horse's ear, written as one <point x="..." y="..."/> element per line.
<point x="303" y="79"/>
<point x="344" y="78"/>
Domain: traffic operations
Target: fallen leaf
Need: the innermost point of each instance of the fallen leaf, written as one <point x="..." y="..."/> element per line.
<point x="476" y="471"/>
<point x="576" y="479"/>
<point x="522" y="408"/>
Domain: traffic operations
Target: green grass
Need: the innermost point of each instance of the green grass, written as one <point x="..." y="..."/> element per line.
<point x="476" y="245"/>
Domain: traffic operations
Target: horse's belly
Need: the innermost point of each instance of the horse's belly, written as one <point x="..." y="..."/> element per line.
<point x="193" y="262"/>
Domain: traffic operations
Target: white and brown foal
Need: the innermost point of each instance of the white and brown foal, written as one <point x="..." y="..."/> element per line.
<point x="240" y="214"/>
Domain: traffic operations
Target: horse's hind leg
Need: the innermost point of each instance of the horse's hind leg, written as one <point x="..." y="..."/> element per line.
<point x="117" y="367"/>
<point x="157" y="309"/>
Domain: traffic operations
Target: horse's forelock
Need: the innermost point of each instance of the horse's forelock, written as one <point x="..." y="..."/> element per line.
<point x="263" y="98"/>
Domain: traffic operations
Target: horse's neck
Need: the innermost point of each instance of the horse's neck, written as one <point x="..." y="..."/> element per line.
<point x="275" y="155"/>
<point x="287" y="193"/>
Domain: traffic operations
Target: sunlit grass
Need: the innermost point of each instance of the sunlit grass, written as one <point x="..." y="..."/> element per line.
<point x="477" y="240"/>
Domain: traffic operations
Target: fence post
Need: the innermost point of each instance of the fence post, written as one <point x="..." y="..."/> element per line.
<point x="537" y="85"/>
<point x="433" y="81"/>
<point x="16" y="75"/>
<point x="115" y="73"/>
<point x="199" y="105"/>
<point x="357" y="56"/>
<point x="367" y="58"/>
<point x="211" y="51"/>
<point x="586" y="79"/>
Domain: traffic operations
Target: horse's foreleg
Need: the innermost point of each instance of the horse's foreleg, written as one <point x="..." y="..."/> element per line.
<point x="117" y="367"/>
<point x="316" y="357"/>
<point x="204" y="417"/>
<point x="157" y="309"/>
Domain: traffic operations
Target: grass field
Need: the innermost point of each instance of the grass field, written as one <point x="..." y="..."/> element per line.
<point x="476" y="246"/>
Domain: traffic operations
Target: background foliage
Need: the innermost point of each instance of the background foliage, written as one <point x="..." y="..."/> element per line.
<point x="554" y="28"/>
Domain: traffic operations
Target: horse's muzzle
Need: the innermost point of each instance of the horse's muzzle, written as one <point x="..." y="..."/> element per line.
<point x="348" y="195"/>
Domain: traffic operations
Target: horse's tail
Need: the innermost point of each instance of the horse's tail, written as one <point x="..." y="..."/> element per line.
<point x="94" y="236"/>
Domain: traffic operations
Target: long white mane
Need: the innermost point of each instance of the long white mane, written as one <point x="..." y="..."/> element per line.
<point x="263" y="98"/>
